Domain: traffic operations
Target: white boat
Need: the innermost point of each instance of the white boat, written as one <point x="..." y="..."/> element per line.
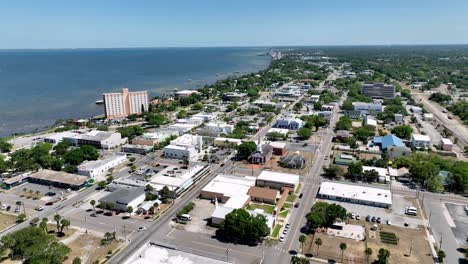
<point x="98" y="102"/>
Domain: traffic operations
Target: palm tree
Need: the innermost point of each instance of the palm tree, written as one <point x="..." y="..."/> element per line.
<point x="343" y="247"/>
<point x="57" y="219"/>
<point x="64" y="223"/>
<point x="368" y="253"/>
<point x="43" y="225"/>
<point x="318" y="242"/>
<point x="302" y="239"/>
<point x="93" y="203"/>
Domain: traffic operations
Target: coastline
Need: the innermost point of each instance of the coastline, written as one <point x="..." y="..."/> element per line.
<point x="41" y="110"/>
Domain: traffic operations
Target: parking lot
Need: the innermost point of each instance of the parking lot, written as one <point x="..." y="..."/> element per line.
<point x="200" y="214"/>
<point x="396" y="214"/>
<point x="460" y="218"/>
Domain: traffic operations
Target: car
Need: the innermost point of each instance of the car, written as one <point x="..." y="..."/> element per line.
<point x="99" y="211"/>
<point x="93" y="215"/>
<point x="285" y="231"/>
<point x="17" y="209"/>
<point x="8" y="208"/>
<point x="373" y="219"/>
<point x="108" y="214"/>
<point x="301" y="195"/>
<point x="368" y="218"/>
<point x="19" y="202"/>
<point x="358" y="217"/>
<point x="49" y="203"/>
<point x="353" y="216"/>
<point x="39" y="208"/>
<point x="466" y="208"/>
<point x="4" y="207"/>
<point x="296" y="205"/>
<point x="141" y="228"/>
<point x="378" y="220"/>
<point x="281" y="239"/>
<point x="287" y="226"/>
<point x="389" y="222"/>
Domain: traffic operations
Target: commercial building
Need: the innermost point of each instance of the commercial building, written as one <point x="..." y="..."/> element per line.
<point x="279" y="148"/>
<point x="378" y="90"/>
<point x="344" y="159"/>
<point x="185" y="147"/>
<point x="446" y="144"/>
<point x="416" y="109"/>
<point x="58" y="137"/>
<point x="263" y="103"/>
<point x="234" y="96"/>
<point x="224" y="187"/>
<point x="367" y="108"/>
<point x="388" y="141"/>
<point x="419" y="141"/>
<point x="185" y="93"/>
<point x="277" y="180"/>
<point x="204" y="116"/>
<point x="58" y="179"/>
<point x="284" y="132"/>
<point x="124" y="198"/>
<point x="151" y="139"/>
<point x="137" y="149"/>
<point x="356" y="194"/>
<point x="226" y="142"/>
<point x="97" y="168"/>
<point x="289" y="123"/>
<point x="175" y="178"/>
<point x="100" y="139"/>
<point x="120" y="105"/>
<point x="219" y="127"/>
<point x="370" y="121"/>
<point x="263" y="195"/>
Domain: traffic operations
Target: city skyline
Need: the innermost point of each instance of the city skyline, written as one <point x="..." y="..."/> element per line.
<point x="54" y="25"/>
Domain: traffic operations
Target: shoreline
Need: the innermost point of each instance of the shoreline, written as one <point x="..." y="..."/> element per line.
<point x="38" y="130"/>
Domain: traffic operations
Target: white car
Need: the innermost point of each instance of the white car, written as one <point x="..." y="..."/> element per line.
<point x="358" y="217"/>
<point x="281" y="239"/>
<point x="141" y="228"/>
<point x="389" y="222"/>
<point x="353" y="216"/>
<point x="4" y="207"/>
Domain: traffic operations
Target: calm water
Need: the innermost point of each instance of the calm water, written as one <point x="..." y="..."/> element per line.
<point x="38" y="87"/>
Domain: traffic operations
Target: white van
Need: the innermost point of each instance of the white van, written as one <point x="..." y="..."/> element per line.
<point x="185" y="217"/>
<point x="409" y="210"/>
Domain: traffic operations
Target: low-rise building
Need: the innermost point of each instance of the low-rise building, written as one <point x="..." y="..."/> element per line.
<point x="220" y="127"/>
<point x="121" y="199"/>
<point x="262" y="154"/>
<point x="398" y="118"/>
<point x="370" y="121"/>
<point x="284" y="132"/>
<point x="384" y="175"/>
<point x="263" y="195"/>
<point x="185" y="147"/>
<point x="343" y="135"/>
<point x="279" y="148"/>
<point x="367" y="108"/>
<point x="293" y="161"/>
<point x="378" y="90"/>
<point x="234" y="96"/>
<point x="416" y="109"/>
<point x="226" y="142"/>
<point x="185" y="93"/>
<point x="356" y="194"/>
<point x="289" y="123"/>
<point x="100" y="139"/>
<point x="175" y="178"/>
<point x="419" y="141"/>
<point x="56" y="138"/>
<point x="204" y="116"/>
<point x="151" y="139"/>
<point x="446" y="144"/>
<point x="428" y="117"/>
<point x="58" y="179"/>
<point x="97" y="168"/>
<point x="344" y="159"/>
<point x="278" y="180"/>
<point x="137" y="149"/>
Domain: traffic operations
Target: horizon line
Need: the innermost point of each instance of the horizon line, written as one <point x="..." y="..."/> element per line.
<point x="240" y="46"/>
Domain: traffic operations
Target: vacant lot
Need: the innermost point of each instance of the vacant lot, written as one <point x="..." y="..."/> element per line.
<point x="407" y="238"/>
<point x="6" y="220"/>
<point x="88" y="248"/>
<point x="275" y="166"/>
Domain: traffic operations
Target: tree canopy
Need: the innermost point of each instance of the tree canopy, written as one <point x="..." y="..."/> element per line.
<point x="242" y="227"/>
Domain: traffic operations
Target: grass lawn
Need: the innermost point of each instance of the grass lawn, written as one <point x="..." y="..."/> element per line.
<point x="276" y="230"/>
<point x="287" y="205"/>
<point x="298" y="189"/>
<point x="6" y="220"/>
<point x="284" y="213"/>
<point x="267" y="208"/>
<point x="291" y="198"/>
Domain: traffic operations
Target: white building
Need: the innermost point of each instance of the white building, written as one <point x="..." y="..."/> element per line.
<point x="119" y="105"/>
<point x="356" y="194"/>
<point x="416" y="109"/>
<point x="370" y="121"/>
<point x="220" y="127"/>
<point x="399" y="118"/>
<point x="366" y="108"/>
<point x="185" y="147"/>
<point x="100" y="139"/>
<point x="420" y="141"/>
<point x="282" y="131"/>
<point x="289" y="123"/>
<point x="226" y="142"/>
<point x="97" y="168"/>
<point x="124" y="198"/>
<point x="428" y="117"/>
<point x="204" y="116"/>
<point x="181" y="128"/>
<point x="58" y="137"/>
<point x="175" y="178"/>
<point x="446" y="144"/>
<point x="185" y="93"/>
<point x="384" y="174"/>
<point x="151" y="139"/>
<point x="277" y="180"/>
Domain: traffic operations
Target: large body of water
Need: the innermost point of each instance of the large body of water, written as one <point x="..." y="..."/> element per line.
<point x="38" y="87"/>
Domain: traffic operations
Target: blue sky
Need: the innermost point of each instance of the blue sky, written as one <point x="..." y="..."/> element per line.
<point x="196" y="23"/>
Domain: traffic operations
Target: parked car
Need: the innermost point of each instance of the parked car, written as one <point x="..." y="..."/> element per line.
<point x="281" y="239"/>
<point x="389" y="222"/>
<point x="287" y="226"/>
<point x="141" y="228"/>
<point x="93" y="215"/>
<point x="297" y="205"/>
<point x="368" y="218"/>
<point x="108" y="213"/>
<point x="4" y="207"/>
<point x="373" y="219"/>
<point x="301" y="195"/>
<point x="17" y="209"/>
<point x="49" y="203"/>
<point x="378" y="220"/>
<point x="353" y="215"/>
<point x="358" y="217"/>
<point x="19" y="202"/>
<point x="39" y="208"/>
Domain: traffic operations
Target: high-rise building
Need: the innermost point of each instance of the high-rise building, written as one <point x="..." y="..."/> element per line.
<point x="378" y="90"/>
<point x="118" y="105"/>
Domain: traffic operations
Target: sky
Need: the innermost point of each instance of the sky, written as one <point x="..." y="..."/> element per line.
<point x="50" y="24"/>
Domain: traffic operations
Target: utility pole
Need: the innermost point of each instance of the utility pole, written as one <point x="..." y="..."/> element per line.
<point x="125" y="232"/>
<point x="227" y="254"/>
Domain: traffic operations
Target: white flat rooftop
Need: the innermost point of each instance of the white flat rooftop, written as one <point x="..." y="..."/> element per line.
<point x="381" y="171"/>
<point x="356" y="192"/>
<point x="279" y="177"/>
<point x="420" y="137"/>
<point x="283" y="131"/>
<point x="229" y="185"/>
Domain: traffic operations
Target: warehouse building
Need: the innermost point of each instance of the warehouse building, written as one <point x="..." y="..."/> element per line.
<point x="58" y="179"/>
<point x="124" y="198"/>
<point x="97" y="168"/>
<point x="356" y="194"/>
<point x="277" y="180"/>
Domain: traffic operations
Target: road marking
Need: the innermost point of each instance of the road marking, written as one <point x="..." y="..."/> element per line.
<point x="224" y="248"/>
<point x="170" y="232"/>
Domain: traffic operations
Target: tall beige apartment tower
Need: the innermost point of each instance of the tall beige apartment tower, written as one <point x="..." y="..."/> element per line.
<point x="119" y="105"/>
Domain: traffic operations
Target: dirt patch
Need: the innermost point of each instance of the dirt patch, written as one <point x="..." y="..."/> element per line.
<point x="275" y="166"/>
<point x="89" y="249"/>
<point x="6" y="220"/>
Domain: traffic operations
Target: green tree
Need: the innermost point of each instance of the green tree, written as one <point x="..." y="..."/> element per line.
<point x="5" y="146"/>
<point x="57" y="219"/>
<point x="304" y="133"/>
<point x="343" y="247"/>
<point x="64" y="223"/>
<point x="182" y="114"/>
<point x="43" y="225"/>
<point x="333" y="171"/>
<point x="76" y="260"/>
<point x="299" y="260"/>
<point x="21" y="218"/>
<point x="129" y="209"/>
<point x="355" y="170"/>
<point x="368" y="253"/>
<point x="441" y="256"/>
<point x="245" y="149"/>
<point x="102" y="184"/>
<point x="344" y="123"/>
<point x="318" y="242"/>
<point x="242" y="227"/>
<point x="434" y="184"/>
<point x="382" y="257"/>
<point x="403" y="131"/>
<point x="93" y="204"/>
<point x="302" y="240"/>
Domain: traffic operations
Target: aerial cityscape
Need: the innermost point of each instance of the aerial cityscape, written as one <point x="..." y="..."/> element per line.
<point x="220" y="143"/>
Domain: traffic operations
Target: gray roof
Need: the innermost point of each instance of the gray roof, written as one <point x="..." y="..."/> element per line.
<point x="123" y="196"/>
